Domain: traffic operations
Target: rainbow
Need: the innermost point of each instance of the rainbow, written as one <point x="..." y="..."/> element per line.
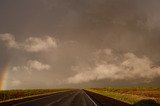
<point x="3" y="77"/>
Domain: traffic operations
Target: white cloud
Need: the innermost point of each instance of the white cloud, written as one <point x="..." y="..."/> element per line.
<point x="9" y="40"/>
<point x="32" y="65"/>
<point x="31" y="44"/>
<point x="34" y="44"/>
<point x="126" y="66"/>
<point x="36" y="65"/>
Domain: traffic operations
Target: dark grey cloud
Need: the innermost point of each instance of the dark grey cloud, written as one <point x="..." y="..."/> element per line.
<point x="80" y="29"/>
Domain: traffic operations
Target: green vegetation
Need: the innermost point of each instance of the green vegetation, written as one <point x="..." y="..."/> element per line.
<point x="7" y="95"/>
<point x="130" y="95"/>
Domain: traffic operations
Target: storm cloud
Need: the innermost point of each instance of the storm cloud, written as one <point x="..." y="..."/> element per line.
<point x="82" y="43"/>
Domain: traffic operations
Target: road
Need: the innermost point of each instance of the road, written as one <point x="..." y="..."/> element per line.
<point x="68" y="98"/>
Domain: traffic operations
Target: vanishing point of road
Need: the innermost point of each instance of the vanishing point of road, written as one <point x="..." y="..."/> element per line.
<point x="68" y="98"/>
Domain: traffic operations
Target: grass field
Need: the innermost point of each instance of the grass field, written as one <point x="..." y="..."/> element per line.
<point x="130" y="95"/>
<point x="6" y="95"/>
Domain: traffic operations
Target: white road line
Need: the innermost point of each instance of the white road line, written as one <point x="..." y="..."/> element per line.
<point x="90" y="99"/>
<point x="56" y="101"/>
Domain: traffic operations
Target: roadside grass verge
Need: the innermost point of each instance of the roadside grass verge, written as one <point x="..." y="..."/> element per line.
<point x="130" y="95"/>
<point x="10" y="95"/>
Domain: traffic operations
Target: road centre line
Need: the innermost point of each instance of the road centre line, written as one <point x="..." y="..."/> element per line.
<point x="90" y="98"/>
<point x="59" y="99"/>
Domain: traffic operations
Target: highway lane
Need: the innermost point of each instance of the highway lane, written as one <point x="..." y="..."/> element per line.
<point x="71" y="98"/>
<point x="67" y="98"/>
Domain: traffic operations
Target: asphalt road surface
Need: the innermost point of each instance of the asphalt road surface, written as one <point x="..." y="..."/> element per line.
<point x="68" y="98"/>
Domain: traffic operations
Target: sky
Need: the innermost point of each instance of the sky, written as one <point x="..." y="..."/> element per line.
<point x="79" y="43"/>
